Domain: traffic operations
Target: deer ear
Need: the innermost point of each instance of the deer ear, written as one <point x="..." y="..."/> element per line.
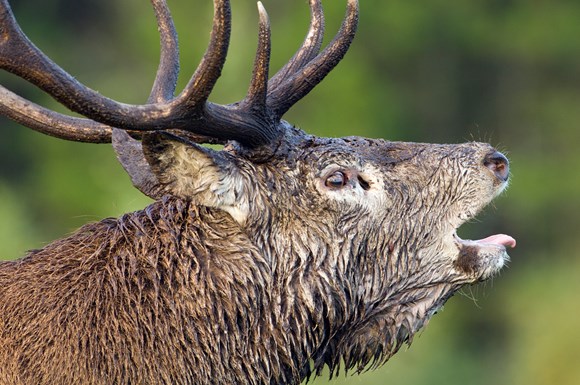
<point x="205" y="176"/>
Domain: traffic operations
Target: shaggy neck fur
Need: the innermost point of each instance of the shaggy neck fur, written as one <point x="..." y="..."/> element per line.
<point x="344" y="296"/>
<point x="180" y="294"/>
<point x="145" y="299"/>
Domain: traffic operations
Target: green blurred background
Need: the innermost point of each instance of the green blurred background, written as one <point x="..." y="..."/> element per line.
<point x="502" y="71"/>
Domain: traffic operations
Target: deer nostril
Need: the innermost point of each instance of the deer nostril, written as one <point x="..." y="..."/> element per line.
<point x="498" y="164"/>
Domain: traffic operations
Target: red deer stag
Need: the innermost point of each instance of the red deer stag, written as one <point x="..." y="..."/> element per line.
<point x="260" y="263"/>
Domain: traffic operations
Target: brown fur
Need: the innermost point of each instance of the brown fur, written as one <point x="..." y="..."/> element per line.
<point x="183" y="293"/>
<point x="261" y="263"/>
<point x="120" y="303"/>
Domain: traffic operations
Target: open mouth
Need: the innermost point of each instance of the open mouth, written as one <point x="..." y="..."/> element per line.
<point x="483" y="258"/>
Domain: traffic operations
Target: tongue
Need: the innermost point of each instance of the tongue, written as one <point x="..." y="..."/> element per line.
<point x="499" y="239"/>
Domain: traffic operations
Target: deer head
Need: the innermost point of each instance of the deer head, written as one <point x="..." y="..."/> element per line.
<point x="359" y="235"/>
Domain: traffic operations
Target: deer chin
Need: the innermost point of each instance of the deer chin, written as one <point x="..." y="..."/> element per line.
<point x="483" y="258"/>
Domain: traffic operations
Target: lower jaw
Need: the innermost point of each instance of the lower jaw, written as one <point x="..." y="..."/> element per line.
<point x="482" y="258"/>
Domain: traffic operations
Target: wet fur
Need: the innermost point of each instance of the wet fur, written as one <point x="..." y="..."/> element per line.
<point x="184" y="293"/>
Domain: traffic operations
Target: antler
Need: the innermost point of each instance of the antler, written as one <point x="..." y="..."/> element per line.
<point x="253" y="122"/>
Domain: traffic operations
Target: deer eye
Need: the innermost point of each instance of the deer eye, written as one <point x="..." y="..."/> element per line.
<point x="336" y="180"/>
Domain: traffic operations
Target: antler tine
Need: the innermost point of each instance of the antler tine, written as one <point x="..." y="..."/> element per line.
<point x="21" y="57"/>
<point x="52" y="123"/>
<point x="209" y="69"/>
<point x="168" y="71"/>
<point x="32" y="115"/>
<point x="309" y="49"/>
<point x="299" y="84"/>
<point x="213" y="123"/>
<point x="129" y="151"/>
<point x="85" y="130"/>
<point x="247" y="122"/>
<point x="259" y="85"/>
